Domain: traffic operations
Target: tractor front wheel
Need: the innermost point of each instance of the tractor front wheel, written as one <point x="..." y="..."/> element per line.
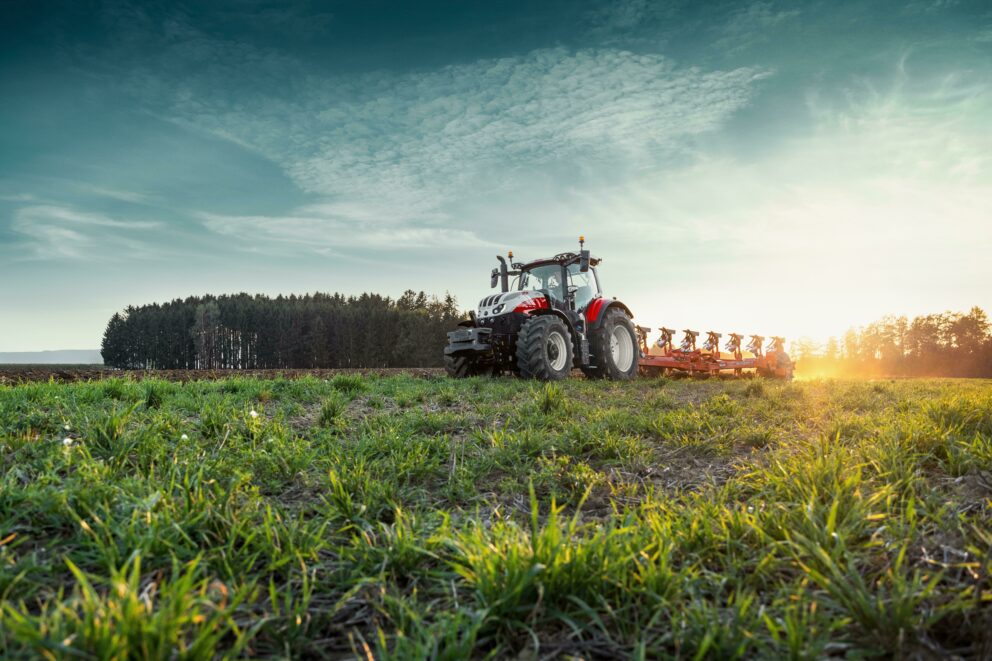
<point x="461" y="367"/>
<point x="544" y="349"/>
<point x="614" y="348"/>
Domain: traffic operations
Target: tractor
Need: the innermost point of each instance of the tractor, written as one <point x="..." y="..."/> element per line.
<point x="552" y="318"/>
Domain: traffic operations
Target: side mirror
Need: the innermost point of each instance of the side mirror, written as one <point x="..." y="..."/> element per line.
<point x="583" y="261"/>
<point x="493" y="279"/>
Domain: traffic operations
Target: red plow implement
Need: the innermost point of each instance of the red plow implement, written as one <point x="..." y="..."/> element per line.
<point x="663" y="357"/>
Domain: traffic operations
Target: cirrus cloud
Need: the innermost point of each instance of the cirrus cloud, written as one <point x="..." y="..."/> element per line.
<point x="323" y="229"/>
<point x="63" y="231"/>
<point x="408" y="143"/>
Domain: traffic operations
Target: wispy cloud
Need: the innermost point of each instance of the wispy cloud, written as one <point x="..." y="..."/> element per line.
<point x="19" y="197"/>
<point x="647" y="22"/>
<point x="323" y="229"/>
<point x="412" y="142"/>
<point x="751" y="25"/>
<point x="63" y="231"/>
<point x="114" y="194"/>
<point x="49" y="214"/>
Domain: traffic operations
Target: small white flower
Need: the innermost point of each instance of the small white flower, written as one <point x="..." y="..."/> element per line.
<point x="66" y="426"/>
<point x="184" y="437"/>
<point x="253" y="413"/>
<point x="66" y="441"/>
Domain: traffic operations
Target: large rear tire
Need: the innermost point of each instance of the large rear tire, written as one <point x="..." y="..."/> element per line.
<point x="544" y="349"/>
<point x="614" y="348"/>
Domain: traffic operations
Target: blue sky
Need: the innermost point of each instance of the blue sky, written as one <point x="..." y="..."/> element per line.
<point x="787" y="168"/>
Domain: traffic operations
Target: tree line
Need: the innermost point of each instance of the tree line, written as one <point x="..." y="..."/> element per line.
<point x="943" y="344"/>
<point x="242" y="331"/>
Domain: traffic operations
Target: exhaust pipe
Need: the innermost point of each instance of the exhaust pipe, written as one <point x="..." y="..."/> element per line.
<point x="504" y="278"/>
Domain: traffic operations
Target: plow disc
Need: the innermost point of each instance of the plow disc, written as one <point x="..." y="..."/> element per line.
<point x="663" y="357"/>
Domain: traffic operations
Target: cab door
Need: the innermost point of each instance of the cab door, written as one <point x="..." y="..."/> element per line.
<point x="583" y="287"/>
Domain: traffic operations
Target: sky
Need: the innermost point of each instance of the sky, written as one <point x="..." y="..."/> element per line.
<point x="766" y="167"/>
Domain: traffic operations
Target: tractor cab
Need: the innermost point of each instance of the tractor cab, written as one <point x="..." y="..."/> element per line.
<point x="562" y="279"/>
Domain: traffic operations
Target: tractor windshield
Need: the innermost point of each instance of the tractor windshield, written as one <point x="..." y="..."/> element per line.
<point x="546" y="277"/>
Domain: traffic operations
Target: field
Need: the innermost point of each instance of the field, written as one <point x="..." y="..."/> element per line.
<point x="397" y="516"/>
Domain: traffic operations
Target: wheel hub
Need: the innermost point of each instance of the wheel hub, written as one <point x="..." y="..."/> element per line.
<point x="557" y="351"/>
<point x="621" y="348"/>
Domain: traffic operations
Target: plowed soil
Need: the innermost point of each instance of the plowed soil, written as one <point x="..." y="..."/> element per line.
<point x="70" y="374"/>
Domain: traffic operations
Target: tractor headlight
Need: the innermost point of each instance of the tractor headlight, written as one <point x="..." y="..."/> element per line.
<point x="498" y="308"/>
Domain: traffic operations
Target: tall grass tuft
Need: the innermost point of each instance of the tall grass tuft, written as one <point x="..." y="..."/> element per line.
<point x="185" y="616"/>
<point x="551" y="398"/>
<point x="332" y="410"/>
<point x="349" y="383"/>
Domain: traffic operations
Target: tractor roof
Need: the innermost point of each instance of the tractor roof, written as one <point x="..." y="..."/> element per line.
<point x="564" y="258"/>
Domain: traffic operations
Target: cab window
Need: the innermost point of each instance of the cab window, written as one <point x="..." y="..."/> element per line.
<point x="586" y="287"/>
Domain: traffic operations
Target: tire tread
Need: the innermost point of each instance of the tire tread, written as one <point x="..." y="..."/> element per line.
<point x="460" y="367"/>
<point x="599" y="345"/>
<point x="531" y="359"/>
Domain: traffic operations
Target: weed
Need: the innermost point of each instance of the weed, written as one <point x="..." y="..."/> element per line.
<point x="153" y="397"/>
<point x="550" y="398"/>
<point x="331" y="411"/>
<point x="347" y="383"/>
<point x="754" y="389"/>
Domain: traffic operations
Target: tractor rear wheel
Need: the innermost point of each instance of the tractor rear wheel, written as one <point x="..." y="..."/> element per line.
<point x="544" y="349"/>
<point x="614" y="348"/>
<point x="461" y="367"/>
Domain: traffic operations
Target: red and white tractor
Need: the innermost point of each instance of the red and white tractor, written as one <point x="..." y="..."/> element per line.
<point x="552" y="319"/>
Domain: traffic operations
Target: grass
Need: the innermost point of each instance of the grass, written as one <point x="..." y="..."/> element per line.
<point x="397" y="517"/>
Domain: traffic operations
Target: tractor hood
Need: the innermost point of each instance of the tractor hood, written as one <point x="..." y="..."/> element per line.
<point x="504" y="303"/>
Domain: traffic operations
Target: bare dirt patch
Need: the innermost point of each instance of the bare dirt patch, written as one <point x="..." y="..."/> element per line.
<point x="13" y="374"/>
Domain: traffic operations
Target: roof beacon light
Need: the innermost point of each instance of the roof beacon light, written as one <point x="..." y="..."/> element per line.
<point x="510" y="254"/>
<point x="582" y="241"/>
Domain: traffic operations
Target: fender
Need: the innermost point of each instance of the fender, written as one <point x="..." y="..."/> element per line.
<point x="595" y="312"/>
<point x="560" y="315"/>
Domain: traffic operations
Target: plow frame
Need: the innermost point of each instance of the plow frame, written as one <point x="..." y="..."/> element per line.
<point x="709" y="361"/>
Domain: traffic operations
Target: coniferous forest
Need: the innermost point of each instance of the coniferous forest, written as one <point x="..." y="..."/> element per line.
<point x="243" y="331"/>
